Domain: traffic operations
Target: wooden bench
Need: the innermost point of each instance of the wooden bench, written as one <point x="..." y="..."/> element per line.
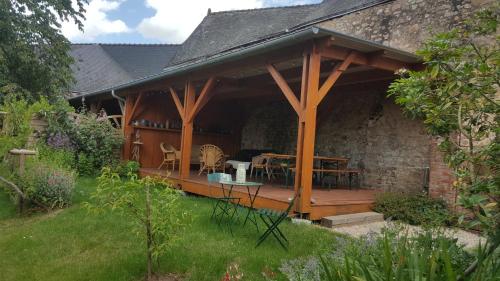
<point x="338" y="172"/>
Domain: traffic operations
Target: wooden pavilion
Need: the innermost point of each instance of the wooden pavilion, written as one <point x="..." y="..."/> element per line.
<point x="210" y="97"/>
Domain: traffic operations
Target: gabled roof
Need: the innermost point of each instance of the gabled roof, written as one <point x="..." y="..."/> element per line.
<point x="283" y="40"/>
<point x="222" y="31"/>
<point x="221" y="37"/>
<point x="100" y="66"/>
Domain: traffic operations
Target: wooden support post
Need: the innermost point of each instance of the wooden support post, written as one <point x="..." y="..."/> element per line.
<point x="300" y="129"/>
<point x="128" y="130"/>
<point x="313" y="76"/>
<point x="187" y="131"/>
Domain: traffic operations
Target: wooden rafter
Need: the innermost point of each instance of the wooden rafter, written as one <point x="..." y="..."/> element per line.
<point x="136" y="104"/>
<point x="334" y="75"/>
<point x="374" y="59"/>
<point x="177" y="102"/>
<point x="205" y="95"/>
<point x="285" y="89"/>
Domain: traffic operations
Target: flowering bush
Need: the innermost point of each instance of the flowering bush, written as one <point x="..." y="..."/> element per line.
<point x="97" y="143"/>
<point x="59" y="140"/>
<point x="49" y="185"/>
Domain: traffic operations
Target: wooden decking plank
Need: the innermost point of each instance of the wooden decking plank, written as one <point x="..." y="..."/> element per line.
<point x="326" y="202"/>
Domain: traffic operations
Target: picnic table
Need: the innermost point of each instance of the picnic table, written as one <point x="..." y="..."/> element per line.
<point x="287" y="158"/>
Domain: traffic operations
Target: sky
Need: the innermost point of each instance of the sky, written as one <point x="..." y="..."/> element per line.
<point x="153" y="21"/>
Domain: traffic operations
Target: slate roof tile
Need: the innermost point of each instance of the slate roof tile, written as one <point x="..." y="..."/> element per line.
<point x="101" y="66"/>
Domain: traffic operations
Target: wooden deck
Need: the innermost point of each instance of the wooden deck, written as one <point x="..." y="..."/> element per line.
<point x="274" y="196"/>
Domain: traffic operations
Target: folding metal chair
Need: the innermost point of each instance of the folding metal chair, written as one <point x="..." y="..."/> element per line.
<point x="225" y="205"/>
<point x="272" y="219"/>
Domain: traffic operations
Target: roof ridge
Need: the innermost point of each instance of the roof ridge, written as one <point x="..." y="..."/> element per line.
<point x="128" y="44"/>
<point x="264" y="8"/>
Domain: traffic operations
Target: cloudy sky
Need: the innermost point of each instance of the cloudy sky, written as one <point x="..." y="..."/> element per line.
<point x="153" y="21"/>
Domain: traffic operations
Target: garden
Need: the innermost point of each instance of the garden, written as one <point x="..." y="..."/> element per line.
<point x="70" y="209"/>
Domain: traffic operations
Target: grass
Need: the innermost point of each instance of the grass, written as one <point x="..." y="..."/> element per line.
<point x="71" y="244"/>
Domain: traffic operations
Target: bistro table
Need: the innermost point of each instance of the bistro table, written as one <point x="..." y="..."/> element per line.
<point x="234" y="164"/>
<point x="251" y="198"/>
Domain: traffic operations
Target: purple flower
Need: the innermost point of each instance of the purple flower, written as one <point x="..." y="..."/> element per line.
<point x="59" y="140"/>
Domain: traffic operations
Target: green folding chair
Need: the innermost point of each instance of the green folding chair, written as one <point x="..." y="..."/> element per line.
<point x="272" y="219"/>
<point x="225" y="205"/>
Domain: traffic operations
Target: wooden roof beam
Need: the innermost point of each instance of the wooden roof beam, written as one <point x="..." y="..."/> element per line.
<point x="375" y="59"/>
<point x="177" y="102"/>
<point x="335" y="75"/>
<point x="285" y="89"/>
<point x="132" y="112"/>
<point x="205" y="95"/>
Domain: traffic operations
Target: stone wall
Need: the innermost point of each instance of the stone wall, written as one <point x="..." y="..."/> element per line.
<point x="271" y="126"/>
<point x="405" y="24"/>
<point x="365" y="126"/>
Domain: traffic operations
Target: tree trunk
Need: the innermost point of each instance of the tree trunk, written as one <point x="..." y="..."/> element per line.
<point x="149" y="234"/>
<point x="21" y="194"/>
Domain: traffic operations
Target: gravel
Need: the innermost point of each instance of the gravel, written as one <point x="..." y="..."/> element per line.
<point x="468" y="239"/>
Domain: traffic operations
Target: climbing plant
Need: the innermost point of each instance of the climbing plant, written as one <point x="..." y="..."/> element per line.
<point x="457" y="97"/>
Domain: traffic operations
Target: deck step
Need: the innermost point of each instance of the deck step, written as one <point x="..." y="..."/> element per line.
<point x="343" y="220"/>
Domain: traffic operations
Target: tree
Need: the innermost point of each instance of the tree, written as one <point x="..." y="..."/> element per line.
<point x="34" y="55"/>
<point x="457" y="96"/>
<point x="151" y="204"/>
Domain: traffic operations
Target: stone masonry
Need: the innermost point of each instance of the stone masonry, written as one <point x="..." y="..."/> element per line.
<point x="405" y="24"/>
<point x="365" y="126"/>
<point x="393" y="151"/>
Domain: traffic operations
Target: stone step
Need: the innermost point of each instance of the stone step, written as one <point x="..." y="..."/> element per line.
<point x="350" y="219"/>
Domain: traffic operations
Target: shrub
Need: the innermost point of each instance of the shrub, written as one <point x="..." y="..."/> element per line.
<point x="416" y="209"/>
<point x="96" y="142"/>
<point x="150" y="204"/>
<point x="16" y="126"/>
<point x="62" y="158"/>
<point x="125" y="167"/>
<point x="59" y="140"/>
<point x="85" y="164"/>
<point x="50" y="185"/>
<point x="391" y="256"/>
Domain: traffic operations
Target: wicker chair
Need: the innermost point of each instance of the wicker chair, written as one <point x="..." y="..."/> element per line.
<point x="212" y="159"/>
<point x="258" y="163"/>
<point x="170" y="156"/>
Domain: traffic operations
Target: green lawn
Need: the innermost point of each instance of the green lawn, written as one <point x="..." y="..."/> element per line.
<point x="73" y="245"/>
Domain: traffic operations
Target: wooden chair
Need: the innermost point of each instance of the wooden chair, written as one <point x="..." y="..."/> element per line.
<point x="212" y="159"/>
<point x="170" y="156"/>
